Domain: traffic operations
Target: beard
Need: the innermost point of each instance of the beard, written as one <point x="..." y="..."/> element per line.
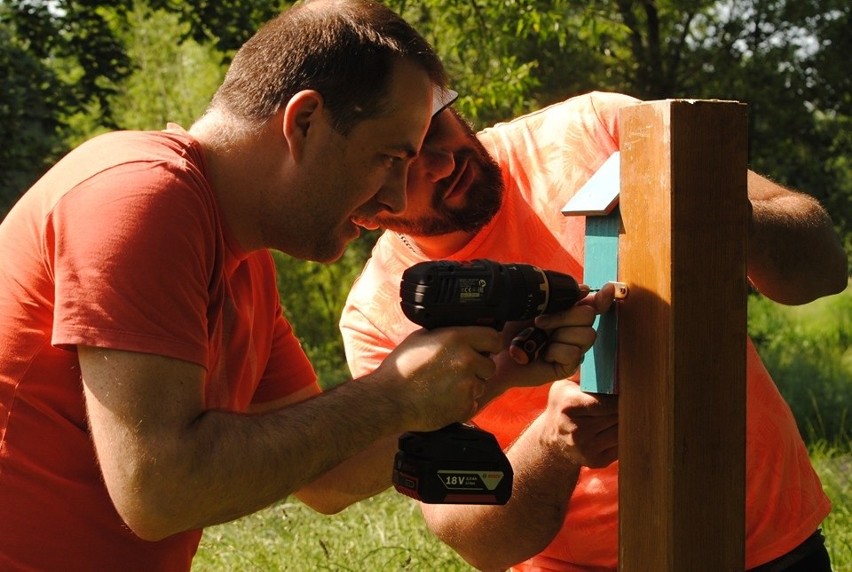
<point x="482" y="201"/>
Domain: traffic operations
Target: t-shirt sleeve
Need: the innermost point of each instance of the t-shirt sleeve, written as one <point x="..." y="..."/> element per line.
<point x="366" y="347"/>
<point x="606" y="107"/>
<point x="372" y="323"/>
<point x="552" y="151"/>
<point x="129" y="251"/>
<point x="288" y="370"/>
<point x="548" y="155"/>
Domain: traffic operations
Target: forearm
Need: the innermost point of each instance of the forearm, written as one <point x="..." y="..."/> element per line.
<point x="171" y="465"/>
<point x="226" y="465"/>
<point x="794" y="254"/>
<point x="314" y="440"/>
<point x="362" y="476"/>
<point x="496" y="537"/>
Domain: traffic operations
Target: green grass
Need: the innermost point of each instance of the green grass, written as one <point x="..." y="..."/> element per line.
<point x="384" y="533"/>
<point x="834" y="466"/>
<point x="808" y="351"/>
<point x="387" y="533"/>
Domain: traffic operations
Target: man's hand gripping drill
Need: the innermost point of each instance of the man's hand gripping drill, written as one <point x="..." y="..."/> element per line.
<point x="459" y="463"/>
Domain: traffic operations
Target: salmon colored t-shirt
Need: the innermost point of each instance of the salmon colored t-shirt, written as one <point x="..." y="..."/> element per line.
<point x="121" y="245"/>
<point x="545" y="157"/>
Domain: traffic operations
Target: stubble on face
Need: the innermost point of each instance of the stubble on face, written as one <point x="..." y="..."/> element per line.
<point x="481" y="202"/>
<point x="343" y="177"/>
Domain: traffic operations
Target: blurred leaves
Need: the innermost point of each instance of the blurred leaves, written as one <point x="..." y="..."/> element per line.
<point x="30" y="94"/>
<point x="78" y="67"/>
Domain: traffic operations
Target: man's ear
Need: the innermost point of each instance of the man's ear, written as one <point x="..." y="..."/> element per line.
<point x="300" y="115"/>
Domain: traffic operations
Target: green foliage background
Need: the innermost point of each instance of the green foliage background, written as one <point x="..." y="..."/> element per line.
<point x="79" y="67"/>
<point x="74" y="68"/>
<point x="808" y="350"/>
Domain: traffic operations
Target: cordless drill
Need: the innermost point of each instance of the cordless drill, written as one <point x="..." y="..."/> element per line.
<point x="460" y="464"/>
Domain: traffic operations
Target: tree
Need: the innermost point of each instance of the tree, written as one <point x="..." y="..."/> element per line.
<point x="169" y="81"/>
<point x="62" y="57"/>
<point x="77" y="67"/>
<point x="784" y="58"/>
<point x="225" y="23"/>
<point x="29" y="94"/>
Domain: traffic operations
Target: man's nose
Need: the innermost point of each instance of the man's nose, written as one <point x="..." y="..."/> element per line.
<point x="436" y="163"/>
<point x="393" y="193"/>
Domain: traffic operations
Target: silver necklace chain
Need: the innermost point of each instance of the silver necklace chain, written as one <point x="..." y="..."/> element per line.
<point x="410" y="246"/>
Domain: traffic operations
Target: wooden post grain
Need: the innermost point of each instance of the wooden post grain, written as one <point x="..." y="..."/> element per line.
<point x="682" y="336"/>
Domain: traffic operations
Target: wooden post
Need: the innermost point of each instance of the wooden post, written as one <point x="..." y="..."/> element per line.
<point x="682" y="336"/>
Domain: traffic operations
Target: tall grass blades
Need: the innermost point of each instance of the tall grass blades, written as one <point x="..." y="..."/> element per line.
<point x="383" y="533"/>
<point x="807" y="351"/>
<point x="834" y="467"/>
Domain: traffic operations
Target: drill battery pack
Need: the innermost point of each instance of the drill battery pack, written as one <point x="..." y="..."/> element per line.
<point x="458" y="464"/>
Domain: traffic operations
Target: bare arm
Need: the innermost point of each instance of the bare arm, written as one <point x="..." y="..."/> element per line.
<point x="576" y="429"/>
<point x="369" y="472"/>
<point x="170" y="465"/>
<point x="366" y="474"/>
<point x="794" y="254"/>
<point x="359" y="477"/>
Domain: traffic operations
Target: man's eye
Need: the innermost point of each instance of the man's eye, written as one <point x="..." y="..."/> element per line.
<point x="432" y="132"/>
<point x="393" y="160"/>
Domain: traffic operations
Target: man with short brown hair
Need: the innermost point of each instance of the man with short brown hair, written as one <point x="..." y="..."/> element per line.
<point x="149" y="384"/>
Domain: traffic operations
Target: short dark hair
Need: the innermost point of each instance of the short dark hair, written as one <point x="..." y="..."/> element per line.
<point x="344" y="49"/>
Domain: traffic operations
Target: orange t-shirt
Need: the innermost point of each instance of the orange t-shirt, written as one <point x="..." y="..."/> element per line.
<point x="121" y="245"/>
<point x="545" y="157"/>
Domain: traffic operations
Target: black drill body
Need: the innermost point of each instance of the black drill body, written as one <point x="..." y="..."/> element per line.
<point x="461" y="464"/>
<point x="483" y="293"/>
